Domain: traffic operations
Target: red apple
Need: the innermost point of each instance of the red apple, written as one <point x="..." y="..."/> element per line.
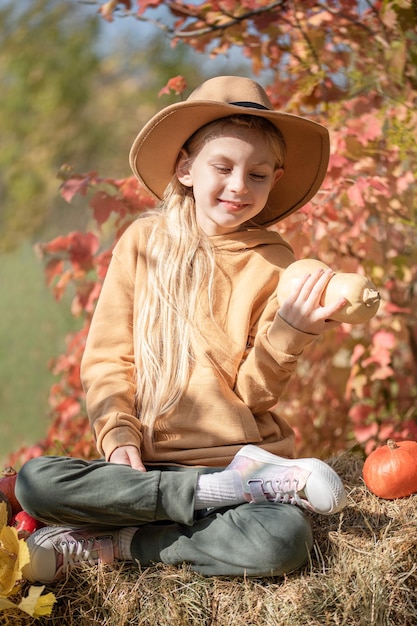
<point x="7" y="486"/>
<point x="25" y="524"/>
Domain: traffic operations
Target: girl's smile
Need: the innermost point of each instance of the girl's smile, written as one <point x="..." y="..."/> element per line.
<point x="231" y="177"/>
<point x="232" y="207"/>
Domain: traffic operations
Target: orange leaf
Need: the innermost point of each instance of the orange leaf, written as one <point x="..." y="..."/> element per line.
<point x="176" y="84"/>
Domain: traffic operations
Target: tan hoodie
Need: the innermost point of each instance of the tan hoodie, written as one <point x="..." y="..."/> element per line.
<point x="239" y="374"/>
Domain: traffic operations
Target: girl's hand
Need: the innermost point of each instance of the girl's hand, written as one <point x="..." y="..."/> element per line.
<point x="128" y="455"/>
<point x="302" y="309"/>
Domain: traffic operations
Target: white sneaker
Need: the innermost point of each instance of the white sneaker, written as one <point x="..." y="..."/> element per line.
<point x="308" y="483"/>
<point x="54" y="550"/>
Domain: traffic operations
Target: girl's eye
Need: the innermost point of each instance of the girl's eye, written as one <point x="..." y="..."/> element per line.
<point x="223" y="169"/>
<point x="258" y="176"/>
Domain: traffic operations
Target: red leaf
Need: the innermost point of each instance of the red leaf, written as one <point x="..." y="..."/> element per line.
<point x="68" y="409"/>
<point x="384" y="339"/>
<point x="77" y="184"/>
<point x="85" y="298"/>
<point x="365" y="432"/>
<point x="59" y="244"/>
<point x="103" y="205"/>
<point x="102" y="263"/>
<point x="60" y="287"/>
<point x="355" y="195"/>
<point x="82" y="248"/>
<point x="176" y="84"/>
<point x="134" y="196"/>
<point x="359" y="413"/>
<point x="53" y="268"/>
<point x="390" y="307"/>
<point x="145" y="4"/>
<point x="358" y="351"/>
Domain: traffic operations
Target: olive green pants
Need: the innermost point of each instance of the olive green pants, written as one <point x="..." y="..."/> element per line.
<point x="247" y="539"/>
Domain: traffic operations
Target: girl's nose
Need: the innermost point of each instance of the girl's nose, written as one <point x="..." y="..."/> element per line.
<point x="237" y="182"/>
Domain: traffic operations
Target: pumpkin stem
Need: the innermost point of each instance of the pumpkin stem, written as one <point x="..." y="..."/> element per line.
<point x="391" y="444"/>
<point x="370" y="296"/>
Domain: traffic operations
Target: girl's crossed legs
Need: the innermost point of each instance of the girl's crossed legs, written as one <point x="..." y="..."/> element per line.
<point x="100" y="511"/>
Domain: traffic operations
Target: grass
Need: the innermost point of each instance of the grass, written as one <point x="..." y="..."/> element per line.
<point x="32" y="331"/>
<point x="362" y="572"/>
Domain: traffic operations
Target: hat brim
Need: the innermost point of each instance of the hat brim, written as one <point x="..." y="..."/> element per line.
<point x="155" y="151"/>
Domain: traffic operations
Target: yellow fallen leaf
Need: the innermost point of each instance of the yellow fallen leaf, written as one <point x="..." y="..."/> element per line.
<point x="3" y="514"/>
<point x="14" y="555"/>
<point x="35" y="604"/>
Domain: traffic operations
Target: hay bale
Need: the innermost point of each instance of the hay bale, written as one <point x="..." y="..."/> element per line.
<point x="362" y="572"/>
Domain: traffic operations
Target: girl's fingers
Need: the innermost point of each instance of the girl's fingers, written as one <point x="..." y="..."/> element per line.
<point x="303" y="310"/>
<point x="313" y="285"/>
<point x="331" y="309"/>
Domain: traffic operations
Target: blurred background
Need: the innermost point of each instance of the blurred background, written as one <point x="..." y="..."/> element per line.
<point x="80" y="78"/>
<point x="75" y="90"/>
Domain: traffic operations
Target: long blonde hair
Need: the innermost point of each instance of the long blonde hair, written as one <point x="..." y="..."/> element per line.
<point x="180" y="268"/>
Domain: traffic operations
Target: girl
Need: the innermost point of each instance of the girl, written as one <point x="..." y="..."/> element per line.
<point x="188" y="354"/>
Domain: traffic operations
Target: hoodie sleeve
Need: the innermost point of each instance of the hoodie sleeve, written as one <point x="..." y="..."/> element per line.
<point x="274" y="348"/>
<point x="108" y="365"/>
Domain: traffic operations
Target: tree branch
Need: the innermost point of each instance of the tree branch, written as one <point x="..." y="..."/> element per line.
<point x="213" y="28"/>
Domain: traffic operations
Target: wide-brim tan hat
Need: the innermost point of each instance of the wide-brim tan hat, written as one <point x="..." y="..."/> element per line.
<point x="155" y="150"/>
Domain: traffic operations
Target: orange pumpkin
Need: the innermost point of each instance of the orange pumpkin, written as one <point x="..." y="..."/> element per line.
<point x="391" y="471"/>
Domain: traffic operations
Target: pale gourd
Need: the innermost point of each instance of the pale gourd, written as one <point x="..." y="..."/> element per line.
<point x="361" y="294"/>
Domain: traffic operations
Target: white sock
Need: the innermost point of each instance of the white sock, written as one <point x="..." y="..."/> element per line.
<point x="219" y="489"/>
<point x="125" y="541"/>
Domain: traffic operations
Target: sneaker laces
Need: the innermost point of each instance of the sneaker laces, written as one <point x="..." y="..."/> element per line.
<point x="79" y="551"/>
<point x="277" y="492"/>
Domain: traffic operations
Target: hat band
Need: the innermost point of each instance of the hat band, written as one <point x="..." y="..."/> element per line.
<point x="250" y="105"/>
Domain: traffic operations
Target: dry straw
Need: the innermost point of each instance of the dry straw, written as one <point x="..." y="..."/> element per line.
<point x="362" y="572"/>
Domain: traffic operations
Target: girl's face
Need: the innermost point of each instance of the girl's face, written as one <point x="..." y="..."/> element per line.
<point x="231" y="177"/>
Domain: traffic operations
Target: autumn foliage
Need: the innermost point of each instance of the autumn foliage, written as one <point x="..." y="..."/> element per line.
<point x="355" y="70"/>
